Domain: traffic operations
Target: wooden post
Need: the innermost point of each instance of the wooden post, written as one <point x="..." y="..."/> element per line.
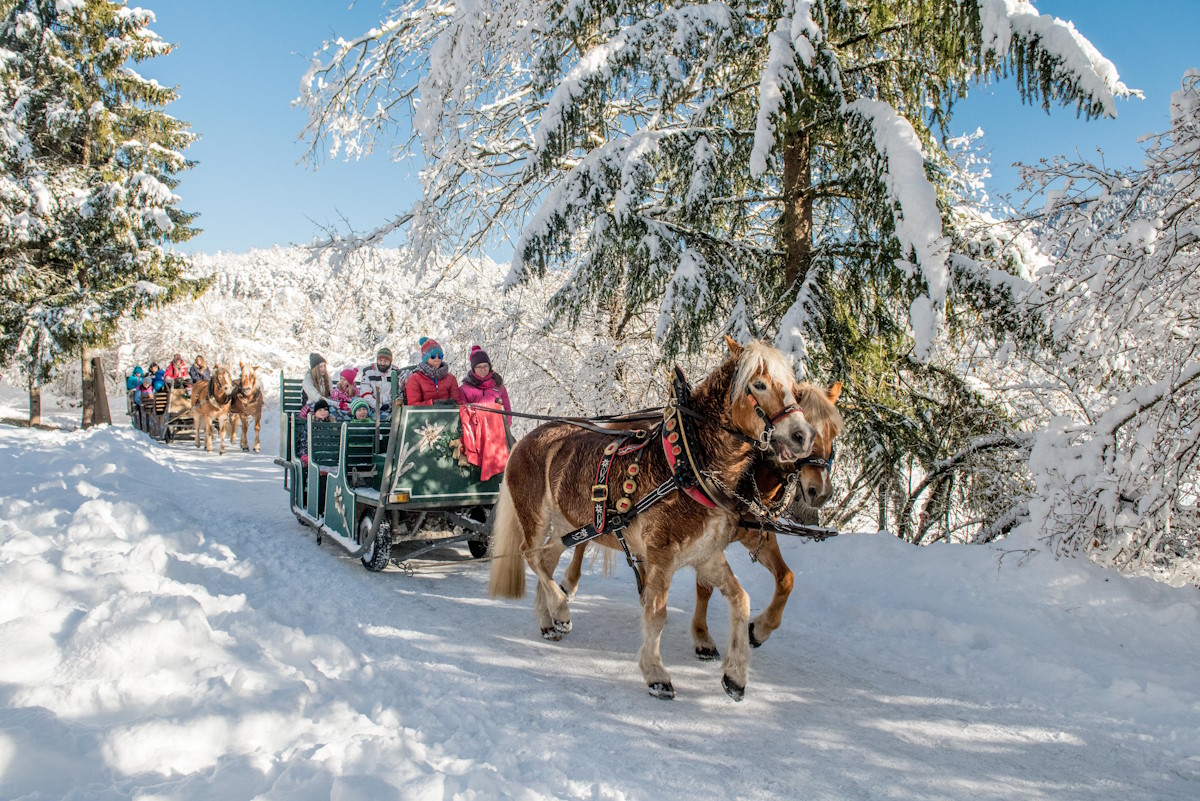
<point x="35" y="405"/>
<point x="100" y="393"/>
<point x="95" y="397"/>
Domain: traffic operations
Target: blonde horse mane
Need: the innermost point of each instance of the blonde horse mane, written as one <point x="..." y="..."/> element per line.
<point x="818" y="409"/>
<point x="759" y="357"/>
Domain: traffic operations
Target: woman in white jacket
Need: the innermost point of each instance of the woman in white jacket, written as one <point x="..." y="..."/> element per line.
<point x="316" y="382"/>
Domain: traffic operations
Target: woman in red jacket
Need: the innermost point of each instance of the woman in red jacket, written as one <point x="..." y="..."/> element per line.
<point x="432" y="381"/>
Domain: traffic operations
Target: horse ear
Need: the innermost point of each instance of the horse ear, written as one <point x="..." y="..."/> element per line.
<point x="835" y="391"/>
<point x="735" y="349"/>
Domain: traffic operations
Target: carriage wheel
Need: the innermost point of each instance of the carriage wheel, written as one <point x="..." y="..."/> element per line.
<point x="479" y="547"/>
<point x="379" y="554"/>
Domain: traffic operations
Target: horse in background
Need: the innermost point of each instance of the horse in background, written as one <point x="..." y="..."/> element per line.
<point x="747" y="400"/>
<point x="769" y="484"/>
<point x="814" y="490"/>
<point x="247" y="403"/>
<point x="210" y="403"/>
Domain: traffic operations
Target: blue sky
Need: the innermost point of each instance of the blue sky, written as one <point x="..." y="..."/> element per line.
<point x="238" y="66"/>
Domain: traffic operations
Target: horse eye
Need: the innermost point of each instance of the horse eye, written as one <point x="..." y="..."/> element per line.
<point x="760" y="386"/>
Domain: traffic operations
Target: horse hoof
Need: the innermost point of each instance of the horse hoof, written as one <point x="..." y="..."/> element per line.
<point x="246" y="449"/>
<point x="552" y="634"/>
<point x="708" y="654"/>
<point x="735" y="691"/>
<point x="256" y="449"/>
<point x="563" y="626"/>
<point x="664" y="691"/>
<point x="757" y="643"/>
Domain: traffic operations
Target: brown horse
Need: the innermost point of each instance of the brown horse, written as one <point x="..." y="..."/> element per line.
<point x="747" y="400"/>
<point x="247" y="403"/>
<point x="210" y="402"/>
<point x="770" y="484"/>
<point x="815" y="489"/>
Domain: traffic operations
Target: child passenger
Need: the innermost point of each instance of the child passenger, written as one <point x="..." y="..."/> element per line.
<point x="360" y="409"/>
<point x="345" y="392"/>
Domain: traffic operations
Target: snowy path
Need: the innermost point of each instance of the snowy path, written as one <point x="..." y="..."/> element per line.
<point x="170" y="631"/>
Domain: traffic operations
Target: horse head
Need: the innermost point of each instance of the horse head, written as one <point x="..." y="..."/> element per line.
<point x="248" y="382"/>
<point x="820" y="410"/>
<point x="762" y="403"/>
<point x="222" y="384"/>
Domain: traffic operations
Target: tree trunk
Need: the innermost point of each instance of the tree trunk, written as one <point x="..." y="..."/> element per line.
<point x="797" y="221"/>
<point x="35" y="406"/>
<point x="881" y="511"/>
<point x="88" y="389"/>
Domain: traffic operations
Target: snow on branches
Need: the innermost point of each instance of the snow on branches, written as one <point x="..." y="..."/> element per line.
<point x="1118" y="471"/>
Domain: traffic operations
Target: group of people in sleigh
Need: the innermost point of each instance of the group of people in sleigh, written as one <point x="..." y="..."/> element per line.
<point x="366" y="393"/>
<point x="178" y="375"/>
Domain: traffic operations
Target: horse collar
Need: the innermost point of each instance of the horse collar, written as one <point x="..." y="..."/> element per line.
<point x="679" y="439"/>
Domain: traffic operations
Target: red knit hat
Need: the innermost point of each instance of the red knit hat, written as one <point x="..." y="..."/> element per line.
<point x="430" y="348"/>
<point x="350" y="373"/>
<point x="479" y="356"/>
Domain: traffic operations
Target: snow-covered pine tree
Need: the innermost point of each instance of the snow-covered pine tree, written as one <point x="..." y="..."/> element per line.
<point x="88" y="161"/>
<point x="774" y="169"/>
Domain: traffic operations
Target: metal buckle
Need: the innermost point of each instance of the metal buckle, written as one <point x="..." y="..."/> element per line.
<point x="599" y="493"/>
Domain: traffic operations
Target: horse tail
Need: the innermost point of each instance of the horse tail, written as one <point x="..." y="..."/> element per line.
<point x="508" y="540"/>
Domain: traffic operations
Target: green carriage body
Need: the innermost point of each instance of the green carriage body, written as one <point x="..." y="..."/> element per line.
<point x="368" y="486"/>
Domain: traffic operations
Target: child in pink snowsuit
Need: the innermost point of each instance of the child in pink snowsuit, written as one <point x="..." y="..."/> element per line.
<point x="345" y="392"/>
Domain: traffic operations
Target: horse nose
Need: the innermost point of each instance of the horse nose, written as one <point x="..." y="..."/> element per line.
<point x="802" y="436"/>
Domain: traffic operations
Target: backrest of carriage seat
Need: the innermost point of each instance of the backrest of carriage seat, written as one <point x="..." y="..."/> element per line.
<point x="291" y="398"/>
<point x="360" y="434"/>
<point x="161" y="399"/>
<point x="326" y="440"/>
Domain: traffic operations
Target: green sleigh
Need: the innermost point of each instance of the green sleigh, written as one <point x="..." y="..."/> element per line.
<point x="370" y="486"/>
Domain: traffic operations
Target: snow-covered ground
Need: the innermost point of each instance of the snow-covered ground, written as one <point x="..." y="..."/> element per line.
<point x="168" y="631"/>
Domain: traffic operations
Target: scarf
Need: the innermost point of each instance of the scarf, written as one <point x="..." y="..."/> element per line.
<point x="493" y="380"/>
<point x="434" y="375"/>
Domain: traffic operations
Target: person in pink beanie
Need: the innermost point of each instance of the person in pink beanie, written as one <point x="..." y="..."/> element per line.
<point x="345" y="392"/>
<point x="484" y="385"/>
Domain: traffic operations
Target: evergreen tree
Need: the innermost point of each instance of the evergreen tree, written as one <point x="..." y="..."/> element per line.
<point x="774" y="169"/>
<point x="88" y="161"/>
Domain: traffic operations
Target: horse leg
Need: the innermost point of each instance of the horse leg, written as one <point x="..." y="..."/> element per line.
<point x="706" y="649"/>
<point x="208" y="435"/>
<point x="197" y="423"/>
<point x="736" y="666"/>
<point x="570" y="582"/>
<point x="770" y="618"/>
<point x="244" y="420"/>
<point x="257" y="425"/>
<point x="656" y="583"/>
<point x="222" y="421"/>
<point x="232" y="428"/>
<point x="551" y="604"/>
